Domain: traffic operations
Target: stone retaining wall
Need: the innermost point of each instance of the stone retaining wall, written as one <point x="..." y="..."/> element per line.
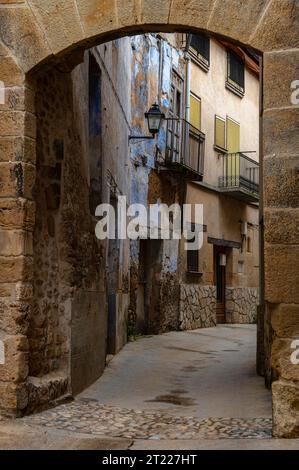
<point x="197" y="307"/>
<point x="241" y="304"/>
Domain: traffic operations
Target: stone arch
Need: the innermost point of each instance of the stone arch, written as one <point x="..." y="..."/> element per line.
<point x="36" y="32"/>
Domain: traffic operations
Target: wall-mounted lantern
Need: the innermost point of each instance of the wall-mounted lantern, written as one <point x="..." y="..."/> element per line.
<point x="222" y="259"/>
<point x="154" y="118"/>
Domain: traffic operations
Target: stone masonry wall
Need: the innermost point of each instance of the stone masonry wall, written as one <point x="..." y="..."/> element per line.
<point x="65" y="327"/>
<point x="197" y="307"/>
<point x="32" y="34"/>
<point x="241" y="304"/>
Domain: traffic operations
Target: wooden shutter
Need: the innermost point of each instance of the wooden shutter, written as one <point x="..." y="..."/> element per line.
<point x="220" y="132"/>
<point x="233" y="136"/>
<point x="233" y="147"/>
<point x="195" y="112"/>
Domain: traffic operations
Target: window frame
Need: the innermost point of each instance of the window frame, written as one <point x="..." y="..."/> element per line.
<point x="197" y="56"/>
<point x="193" y="264"/>
<point x="231" y="84"/>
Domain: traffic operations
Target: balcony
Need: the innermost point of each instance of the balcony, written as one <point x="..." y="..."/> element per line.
<point x="184" y="150"/>
<point x="240" y="177"/>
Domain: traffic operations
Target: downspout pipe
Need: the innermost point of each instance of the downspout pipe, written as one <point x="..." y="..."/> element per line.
<point x="187" y="104"/>
<point x="187" y="87"/>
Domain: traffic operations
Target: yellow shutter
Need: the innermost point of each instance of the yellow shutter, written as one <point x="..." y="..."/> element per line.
<point x="233" y="146"/>
<point x="219" y="132"/>
<point x="195" y="112"/>
<point x="233" y="136"/>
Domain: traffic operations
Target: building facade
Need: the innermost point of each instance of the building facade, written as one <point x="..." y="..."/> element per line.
<point x="207" y="152"/>
<point x="89" y="295"/>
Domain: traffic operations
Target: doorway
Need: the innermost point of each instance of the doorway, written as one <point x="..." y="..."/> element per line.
<point x="220" y="254"/>
<point x="148" y="291"/>
<point x="112" y="286"/>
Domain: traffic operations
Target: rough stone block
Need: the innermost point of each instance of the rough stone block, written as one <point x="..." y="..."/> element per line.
<point x="285" y="320"/>
<point x="280" y="70"/>
<point x="17" y="123"/>
<point x="155" y="11"/>
<point x="97" y="17"/>
<point x="17" y="214"/>
<point x="60" y="22"/>
<point x="128" y="12"/>
<point x="285" y="410"/>
<point x="14" y="99"/>
<point x="15" y="368"/>
<point x="10" y="73"/>
<point x="281" y="273"/>
<point x="278" y="28"/>
<point x="23" y="290"/>
<point x="17" y="149"/>
<point x="281" y="360"/>
<point x="12" y="123"/>
<point x="236" y="18"/>
<point x="15" y="243"/>
<point x="281" y="226"/>
<point x="191" y="12"/>
<point x="14" y="398"/>
<point x="21" y="33"/>
<point x="281" y="181"/>
<point x="14" y="317"/>
<point x="15" y="269"/>
<point x="281" y="132"/>
<point x="17" y="180"/>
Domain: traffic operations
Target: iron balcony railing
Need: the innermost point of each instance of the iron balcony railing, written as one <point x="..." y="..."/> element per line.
<point x="239" y="172"/>
<point x="185" y="146"/>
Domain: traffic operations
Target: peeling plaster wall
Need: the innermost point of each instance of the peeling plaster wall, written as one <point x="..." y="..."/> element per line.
<point x="153" y="58"/>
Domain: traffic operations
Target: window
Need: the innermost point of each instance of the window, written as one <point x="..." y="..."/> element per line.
<point x="235" y="74"/>
<point x="200" y="49"/>
<point x="95" y="123"/>
<point x="192" y="261"/>
<point x="174" y="125"/>
<point x="249" y="244"/>
<point x="240" y="267"/>
<point x="195" y="111"/>
<point x="95" y="135"/>
<point x="220" y="131"/>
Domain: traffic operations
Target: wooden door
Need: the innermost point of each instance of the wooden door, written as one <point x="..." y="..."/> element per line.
<point x="220" y="275"/>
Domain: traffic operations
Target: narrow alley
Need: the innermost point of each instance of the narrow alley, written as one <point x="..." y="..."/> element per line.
<point x="192" y="385"/>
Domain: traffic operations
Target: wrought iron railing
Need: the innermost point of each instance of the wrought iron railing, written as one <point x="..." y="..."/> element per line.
<point x="239" y="171"/>
<point x="184" y="145"/>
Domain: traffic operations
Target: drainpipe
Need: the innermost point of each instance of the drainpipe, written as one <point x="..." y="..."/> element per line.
<point x="188" y="86"/>
<point x="187" y="105"/>
<point x="161" y="67"/>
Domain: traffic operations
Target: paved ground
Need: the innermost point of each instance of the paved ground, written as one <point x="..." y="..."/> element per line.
<point x="203" y="373"/>
<point x="181" y="390"/>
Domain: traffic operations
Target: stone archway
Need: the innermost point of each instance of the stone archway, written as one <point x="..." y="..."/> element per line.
<point x="42" y="31"/>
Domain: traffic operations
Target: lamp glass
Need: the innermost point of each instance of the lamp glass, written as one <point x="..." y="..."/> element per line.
<point x="154" y="119"/>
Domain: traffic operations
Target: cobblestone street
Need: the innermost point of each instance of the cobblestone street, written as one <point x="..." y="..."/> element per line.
<point x="99" y="420"/>
<point x="194" y="385"/>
